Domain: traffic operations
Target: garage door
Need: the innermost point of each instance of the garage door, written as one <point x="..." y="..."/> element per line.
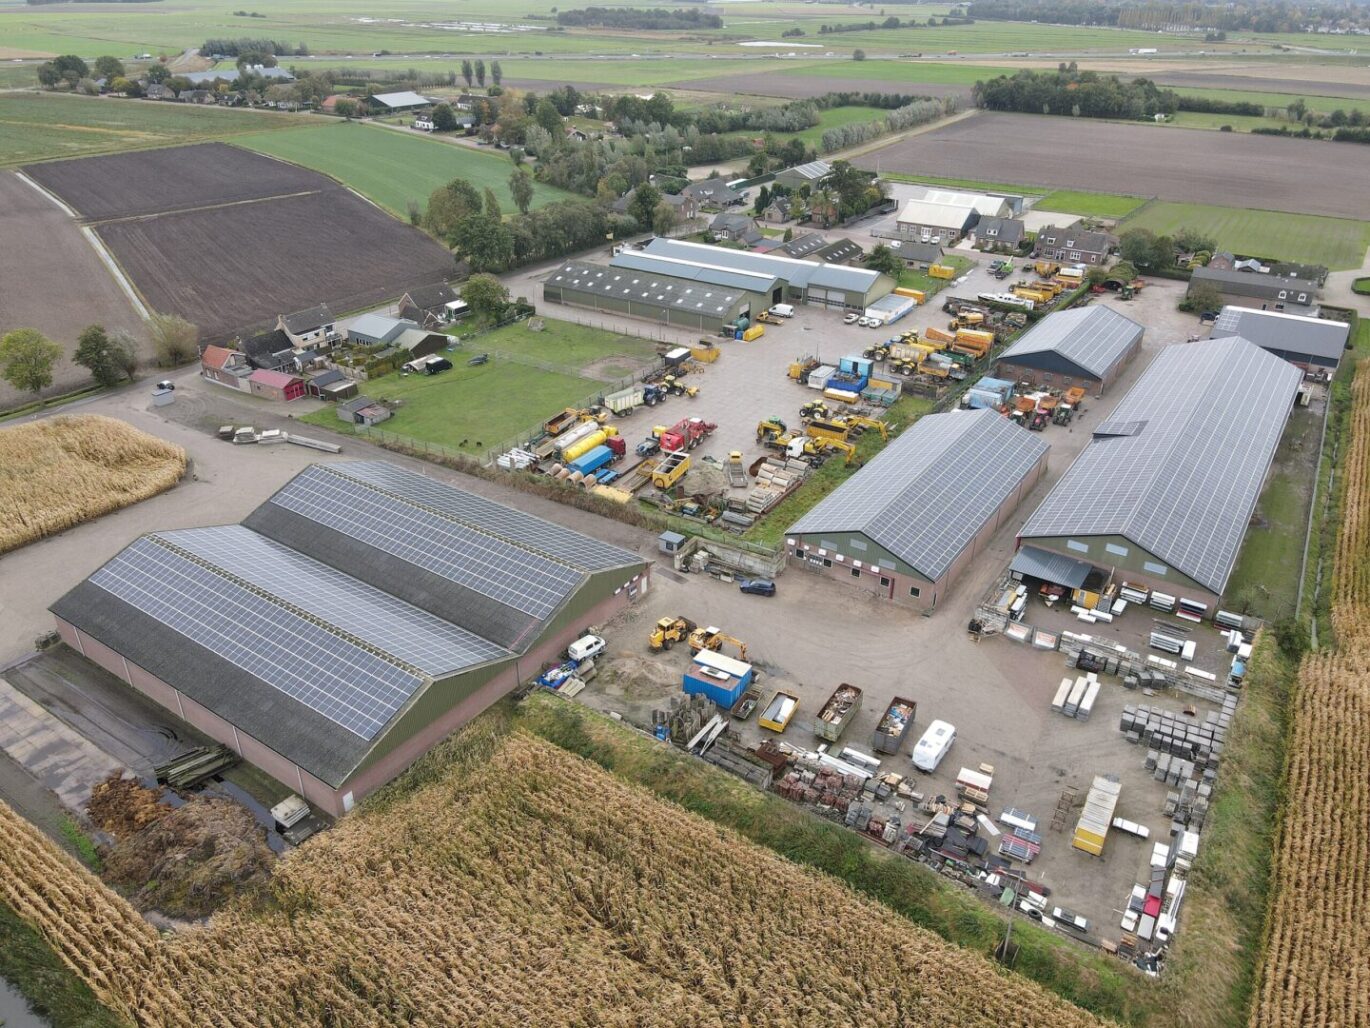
<point x="827" y="298"/>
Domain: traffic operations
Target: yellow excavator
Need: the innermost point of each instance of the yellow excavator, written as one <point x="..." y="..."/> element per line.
<point x="770" y="430"/>
<point x="711" y="638"/>
<point x="857" y="421"/>
<point x="668" y="632"/>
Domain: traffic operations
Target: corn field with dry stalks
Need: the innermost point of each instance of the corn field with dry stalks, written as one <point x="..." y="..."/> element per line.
<point x="529" y="888"/>
<point x="1316" y="970"/>
<point x="59" y="472"/>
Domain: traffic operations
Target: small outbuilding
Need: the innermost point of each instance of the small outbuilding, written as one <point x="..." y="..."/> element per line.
<point x="276" y="385"/>
<point x="377" y="329"/>
<point x="362" y="410"/>
<point x="907" y="525"/>
<point x="1314" y="344"/>
<point x="405" y="100"/>
<point x="1083" y="346"/>
<point x="428" y="306"/>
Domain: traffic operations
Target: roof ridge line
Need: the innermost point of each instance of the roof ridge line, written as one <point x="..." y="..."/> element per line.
<point x="465" y="522"/>
<point x="287" y="606"/>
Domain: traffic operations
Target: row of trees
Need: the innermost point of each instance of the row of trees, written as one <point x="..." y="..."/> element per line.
<point x="636" y="18"/>
<point x="248" y="45"/>
<point x="1261" y="16"/>
<point x="1081" y="94"/>
<point x="890" y="23"/>
<point x="473" y="72"/>
<point x="919" y="112"/>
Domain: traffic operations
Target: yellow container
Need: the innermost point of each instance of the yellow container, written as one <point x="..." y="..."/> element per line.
<point x="584" y="445"/>
<point x="916" y="295"/>
<point x="755" y="332"/>
<point x="941" y="271"/>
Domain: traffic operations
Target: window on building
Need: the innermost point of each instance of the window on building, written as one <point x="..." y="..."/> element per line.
<point x="1075" y="255"/>
<point x="856" y="572"/>
<point x="1115" y="549"/>
<point x="914" y="591"/>
<point x="857" y="544"/>
<point x="1284" y="294"/>
<point x="1077" y="546"/>
<point x="1154" y="568"/>
<point x="884" y="582"/>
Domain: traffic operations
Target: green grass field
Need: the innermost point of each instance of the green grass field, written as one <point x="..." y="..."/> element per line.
<point x="1324" y="104"/>
<point x="474" y="409"/>
<point x="1338" y="243"/>
<point x="40" y="126"/>
<point x="1089" y="205"/>
<point x="393" y="167"/>
<point x="910" y="278"/>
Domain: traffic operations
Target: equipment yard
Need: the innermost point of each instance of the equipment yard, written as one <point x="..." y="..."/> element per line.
<point x="1147" y="160"/>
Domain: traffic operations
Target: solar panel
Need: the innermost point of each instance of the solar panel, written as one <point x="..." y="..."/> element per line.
<point x="1095" y="338"/>
<point x="1183" y="487"/>
<point x="414" y="636"/>
<point x="480" y="561"/>
<point x="926" y="495"/>
<point x="514" y="526"/>
<point x="343" y="682"/>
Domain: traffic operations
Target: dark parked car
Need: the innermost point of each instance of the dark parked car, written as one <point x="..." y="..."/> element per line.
<point x="648" y="447"/>
<point x="436" y="364"/>
<point x="757" y="586"/>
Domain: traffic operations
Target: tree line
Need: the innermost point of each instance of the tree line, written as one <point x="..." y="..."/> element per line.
<point x="1266" y="16"/>
<point x="234" y="47"/>
<point x="891" y="22"/>
<point x="919" y="112"/>
<point x="1081" y="94"/>
<point x="638" y="18"/>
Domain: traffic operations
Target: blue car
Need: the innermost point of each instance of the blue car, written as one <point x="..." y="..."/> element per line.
<point x="757" y="586"/>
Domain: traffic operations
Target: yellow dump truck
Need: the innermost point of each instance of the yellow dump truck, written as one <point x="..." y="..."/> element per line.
<point x="975" y="335"/>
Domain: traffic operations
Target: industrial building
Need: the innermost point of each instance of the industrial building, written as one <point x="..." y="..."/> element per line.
<point x="1263" y="292"/>
<point x="1161" y="497"/>
<point x="1083" y="346"/>
<point x="705" y="287"/>
<point x="908" y="524"/>
<point x="945" y="215"/>
<point x="353" y="620"/>
<point x="1313" y="344"/>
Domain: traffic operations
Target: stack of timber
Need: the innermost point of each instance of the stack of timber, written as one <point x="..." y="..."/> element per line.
<point x="190" y="769"/>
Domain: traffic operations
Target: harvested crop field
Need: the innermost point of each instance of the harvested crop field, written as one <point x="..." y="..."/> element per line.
<point x="59" y="472"/>
<point x="519" y="884"/>
<point x="43" y="246"/>
<point x="229" y="239"/>
<point x="798" y="88"/>
<point x="1226" y="168"/>
<point x="177" y="178"/>
<point x="1263" y="84"/>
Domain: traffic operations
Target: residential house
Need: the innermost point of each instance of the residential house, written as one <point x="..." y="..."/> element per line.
<point x="196" y="96"/>
<point x="276" y="385"/>
<point x="917" y="253"/>
<point x="1001" y="234"/>
<point x="157" y="91"/>
<point x="430" y="306"/>
<point x="377" y="329"/>
<point x="362" y="410"/>
<point x="271" y="350"/>
<point x="713" y="194"/>
<point x="810" y="174"/>
<point x="932" y="221"/>
<point x="736" y="228"/>
<point x="1075" y="244"/>
<point x="778" y="211"/>
<point x="1263" y="292"/>
<point x="686" y="207"/>
<point x="423" y="123"/>
<point x="225" y="366"/>
<point x="309" y="329"/>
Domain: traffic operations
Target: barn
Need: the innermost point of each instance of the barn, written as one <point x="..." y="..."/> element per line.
<point x="353" y="620"/>
<point x="1083" y="346"/>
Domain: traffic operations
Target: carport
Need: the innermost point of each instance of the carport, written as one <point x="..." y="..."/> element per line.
<point x="1052" y="568"/>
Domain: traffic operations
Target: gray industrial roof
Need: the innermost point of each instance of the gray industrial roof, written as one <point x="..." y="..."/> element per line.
<point x="1095" y="338"/>
<point x="365" y="583"/>
<point x="1051" y="567"/>
<point x="797" y="273"/>
<point x="652" y="289"/>
<point x="403" y="98"/>
<point x="813" y="171"/>
<point x="1253" y="283"/>
<point x="1282" y="333"/>
<point x="679" y="268"/>
<point x="926" y="495"/>
<point x="1178" y="467"/>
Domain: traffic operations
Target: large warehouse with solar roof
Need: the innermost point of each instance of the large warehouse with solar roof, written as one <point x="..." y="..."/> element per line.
<point x="908" y="524"/>
<point x="1083" y="346"/>
<point x="1162" y="496"/>
<point x="357" y="617"/>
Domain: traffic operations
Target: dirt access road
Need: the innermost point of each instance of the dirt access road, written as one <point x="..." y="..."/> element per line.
<point x="1230" y="169"/>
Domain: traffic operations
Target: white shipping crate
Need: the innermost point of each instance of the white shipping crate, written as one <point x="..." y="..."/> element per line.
<point x="1087" y="704"/>
<point x="1058" y="701"/>
<point x="1187" y="652"/>
<point x="1077" y="693"/>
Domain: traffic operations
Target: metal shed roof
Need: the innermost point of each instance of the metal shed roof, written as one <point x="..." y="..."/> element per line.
<point x="1095" y="338"/>
<point x="1202" y="426"/>
<point x="1253" y="283"/>
<point x="1050" y="567"/>
<point x="940" y="215"/>
<point x="667" y="291"/>
<point x="926" y="495"/>
<point x="1286" y="333"/>
<point x="800" y="273"/>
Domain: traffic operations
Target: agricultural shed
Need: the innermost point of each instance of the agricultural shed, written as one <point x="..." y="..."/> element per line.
<point x="1087" y="346"/>
<point x="932" y="222"/>
<point x="840" y="251"/>
<point x="276" y="385"/>
<point x="905" y="526"/>
<point x="704" y="305"/>
<point x="1162" y="495"/>
<point x="403" y="100"/>
<point x="276" y="74"/>
<point x="804" y="246"/>
<point x="375" y="329"/>
<point x="1263" y="292"/>
<point x="1314" y="344"/>
<point x="803" y="174"/>
<point x="355" y="619"/>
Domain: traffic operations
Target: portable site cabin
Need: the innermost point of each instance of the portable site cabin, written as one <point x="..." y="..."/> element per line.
<point x="719" y="677"/>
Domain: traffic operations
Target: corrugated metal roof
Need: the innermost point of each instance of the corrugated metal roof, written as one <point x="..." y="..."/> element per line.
<point x="926" y="495"/>
<point x="404" y="98"/>
<point x="798" y="273"/>
<point x="813" y="171"/>
<point x="279" y="379"/>
<point x="1050" y="567"/>
<point x="1095" y="338"/>
<point x="654" y="288"/>
<point x="1253" y="283"/>
<point x="1291" y="333"/>
<point x="938" y="215"/>
<point x="1208" y="418"/>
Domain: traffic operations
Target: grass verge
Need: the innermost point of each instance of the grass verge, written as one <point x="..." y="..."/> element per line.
<point x="910" y="278"/>
<point x="1210" y="973"/>
<point x="36" y="972"/>
<point x="81" y="844"/>
<point x="1099" y="984"/>
<point x="1089" y="205"/>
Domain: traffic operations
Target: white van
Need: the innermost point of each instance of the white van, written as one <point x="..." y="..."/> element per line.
<point x="585" y="647"/>
<point x="782" y="310"/>
<point x="934" y="745"/>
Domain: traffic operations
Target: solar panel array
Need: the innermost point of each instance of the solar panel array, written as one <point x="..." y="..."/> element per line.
<point x="1290" y="333"/>
<point x="795" y="272"/>
<point x="674" y="293"/>
<point x="429" y="643"/>
<point x="514" y="526"/>
<point x="330" y="675"/>
<point x="926" y="495"/>
<point x="1184" y="487"/>
<point x="452" y="549"/>
<point x="1095" y="338"/>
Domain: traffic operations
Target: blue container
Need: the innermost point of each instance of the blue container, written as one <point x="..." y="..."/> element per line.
<point x="592" y="460"/>
<point x="725" y="694"/>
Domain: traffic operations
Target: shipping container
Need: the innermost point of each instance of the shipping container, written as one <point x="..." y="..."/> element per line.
<point x="753" y="333"/>
<point x="719" y="677"/>
<point x="818" y="378"/>
<point x="779" y="711"/>
<point x="591" y="461"/>
<point x="894" y="725"/>
<point x="1097" y="817"/>
<point x="838" y="712"/>
<point x="585" y="445"/>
